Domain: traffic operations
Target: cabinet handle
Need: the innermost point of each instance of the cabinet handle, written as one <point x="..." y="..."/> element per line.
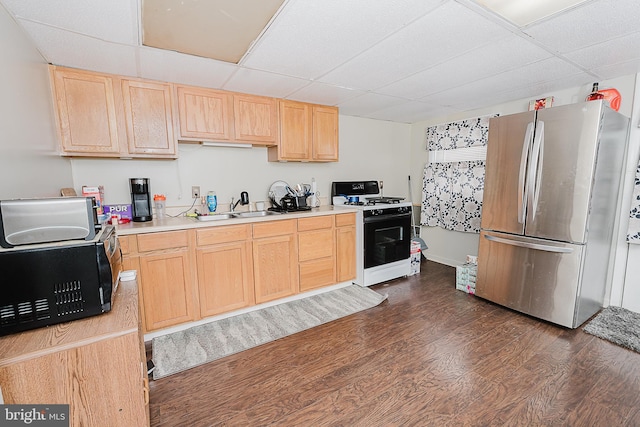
<point x="146" y="391"/>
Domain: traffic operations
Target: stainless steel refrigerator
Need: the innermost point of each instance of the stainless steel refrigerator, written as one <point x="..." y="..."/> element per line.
<point x="549" y="207"/>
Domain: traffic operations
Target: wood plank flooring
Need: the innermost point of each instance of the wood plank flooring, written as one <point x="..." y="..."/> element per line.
<point x="428" y="356"/>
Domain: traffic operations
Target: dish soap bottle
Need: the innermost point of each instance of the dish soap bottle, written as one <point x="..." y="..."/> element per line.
<point x="212" y="201"/>
<point x="595" y="95"/>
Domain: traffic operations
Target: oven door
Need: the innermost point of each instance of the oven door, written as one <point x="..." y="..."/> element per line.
<point x="387" y="239"/>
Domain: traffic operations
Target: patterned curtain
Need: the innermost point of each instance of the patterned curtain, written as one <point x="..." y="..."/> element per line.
<point x="633" y="232"/>
<point x="452" y="191"/>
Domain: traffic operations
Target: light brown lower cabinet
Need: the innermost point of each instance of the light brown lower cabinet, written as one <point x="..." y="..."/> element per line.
<point x="225" y="269"/>
<point x="96" y="365"/>
<point x="164" y="263"/>
<point x="316" y="252"/>
<point x="345" y="247"/>
<point x="188" y="275"/>
<point x="275" y="260"/>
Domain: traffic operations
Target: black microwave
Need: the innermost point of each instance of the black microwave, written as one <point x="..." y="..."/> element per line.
<point x="51" y="283"/>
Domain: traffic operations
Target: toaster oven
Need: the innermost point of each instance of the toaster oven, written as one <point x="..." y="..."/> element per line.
<point x="46" y="284"/>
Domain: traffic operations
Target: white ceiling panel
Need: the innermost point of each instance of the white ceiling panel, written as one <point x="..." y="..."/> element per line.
<point x="616" y="51"/>
<point x="549" y="86"/>
<point x="177" y="67"/>
<point x="320" y="93"/>
<point x="309" y="38"/>
<point x="443" y="34"/>
<point x="487" y="60"/>
<point x="524" y="77"/>
<point x="617" y="70"/>
<point x="410" y="112"/>
<point x="113" y="20"/>
<point x="368" y="103"/>
<point x="588" y="25"/>
<point x="398" y="60"/>
<point x="76" y="50"/>
<point x="264" y="83"/>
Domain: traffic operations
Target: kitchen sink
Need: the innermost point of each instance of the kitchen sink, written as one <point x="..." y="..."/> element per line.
<point x="215" y="217"/>
<point x="231" y="215"/>
<point x="254" y="214"/>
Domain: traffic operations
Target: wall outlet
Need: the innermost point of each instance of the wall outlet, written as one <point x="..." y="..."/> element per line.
<point x="195" y="191"/>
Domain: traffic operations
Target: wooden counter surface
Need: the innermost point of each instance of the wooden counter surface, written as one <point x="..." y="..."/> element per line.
<point x="121" y="320"/>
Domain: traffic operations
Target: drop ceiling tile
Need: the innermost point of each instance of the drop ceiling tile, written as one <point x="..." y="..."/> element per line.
<point x="309" y="38"/>
<point x="443" y="34"/>
<point x="623" y="49"/>
<point x="530" y="81"/>
<point x="158" y="64"/>
<point x="617" y="70"/>
<point x="76" y="50"/>
<point x="487" y="60"/>
<point x="368" y="103"/>
<point x="527" y="76"/>
<point x="113" y="20"/>
<point x="319" y="93"/>
<point x="411" y="112"/>
<point x="547" y="87"/>
<point x="263" y="83"/>
<point x="592" y="23"/>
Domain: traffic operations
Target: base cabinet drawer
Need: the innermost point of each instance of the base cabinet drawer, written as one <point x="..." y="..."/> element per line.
<point x="317" y="273"/>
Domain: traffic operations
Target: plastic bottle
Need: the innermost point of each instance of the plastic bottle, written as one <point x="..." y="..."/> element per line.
<point x="595" y="95"/>
<point x="160" y="202"/>
<point x="212" y="201"/>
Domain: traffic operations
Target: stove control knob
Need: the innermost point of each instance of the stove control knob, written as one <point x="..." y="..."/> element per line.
<point x="403" y="209"/>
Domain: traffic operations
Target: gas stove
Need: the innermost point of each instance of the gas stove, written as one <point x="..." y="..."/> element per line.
<point x="383" y="236"/>
<point x="365" y="195"/>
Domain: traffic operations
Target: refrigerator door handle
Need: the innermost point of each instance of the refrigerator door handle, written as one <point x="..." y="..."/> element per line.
<point x="529" y="245"/>
<point x="522" y="185"/>
<point x="535" y="170"/>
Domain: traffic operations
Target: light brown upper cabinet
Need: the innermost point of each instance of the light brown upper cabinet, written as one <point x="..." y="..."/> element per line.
<point x="86" y="112"/>
<point x="205" y="114"/>
<point x="256" y="119"/>
<point x="149" y="117"/>
<point x="214" y="115"/>
<point x="308" y="133"/>
<point x="103" y="115"/>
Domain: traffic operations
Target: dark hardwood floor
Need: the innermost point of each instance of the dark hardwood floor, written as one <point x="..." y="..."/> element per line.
<point x="428" y="356"/>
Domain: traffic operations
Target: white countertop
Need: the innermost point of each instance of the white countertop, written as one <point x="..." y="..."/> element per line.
<point x="184" y="222"/>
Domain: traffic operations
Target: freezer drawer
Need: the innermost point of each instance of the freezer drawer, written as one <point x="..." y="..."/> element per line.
<point x="534" y="276"/>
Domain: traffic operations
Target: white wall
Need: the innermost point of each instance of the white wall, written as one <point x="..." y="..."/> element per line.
<point x="29" y="165"/>
<point x="369" y="150"/>
<point x="451" y="247"/>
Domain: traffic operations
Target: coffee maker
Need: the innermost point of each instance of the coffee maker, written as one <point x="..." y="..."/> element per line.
<point x="140" y="199"/>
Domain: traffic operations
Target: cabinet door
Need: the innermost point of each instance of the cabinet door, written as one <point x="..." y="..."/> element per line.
<point x="295" y="131"/>
<point x="103" y="382"/>
<point x="86" y="112"/>
<point x="149" y="118"/>
<point x="345" y="253"/>
<point x="325" y="133"/>
<point x="205" y="114"/>
<point x="275" y="263"/>
<point x="255" y="119"/>
<point x="166" y="286"/>
<point x="225" y="277"/>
